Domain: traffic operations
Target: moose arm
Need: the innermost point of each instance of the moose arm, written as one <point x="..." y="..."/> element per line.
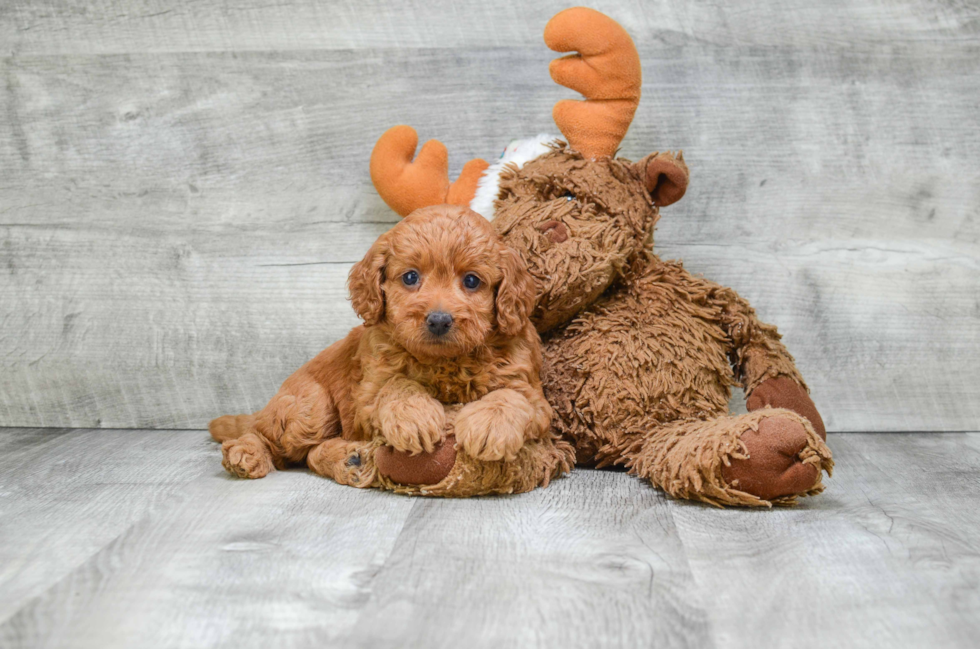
<point x="757" y="352"/>
<point x="761" y="361"/>
<point x="754" y="348"/>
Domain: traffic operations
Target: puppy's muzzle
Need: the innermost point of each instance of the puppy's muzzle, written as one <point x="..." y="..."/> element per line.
<point x="439" y="323"/>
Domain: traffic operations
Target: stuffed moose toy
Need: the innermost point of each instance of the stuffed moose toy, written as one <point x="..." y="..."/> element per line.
<point x="639" y="355"/>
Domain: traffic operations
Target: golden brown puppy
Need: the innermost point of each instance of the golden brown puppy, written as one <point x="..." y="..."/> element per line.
<point x="445" y="306"/>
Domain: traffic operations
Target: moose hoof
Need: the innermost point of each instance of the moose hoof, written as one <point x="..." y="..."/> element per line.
<point x="420" y="469"/>
<point x="774" y="467"/>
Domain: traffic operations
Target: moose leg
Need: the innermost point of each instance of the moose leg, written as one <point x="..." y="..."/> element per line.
<point x="770" y="456"/>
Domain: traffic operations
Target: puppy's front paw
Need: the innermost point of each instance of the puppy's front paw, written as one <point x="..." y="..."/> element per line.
<point x="493" y="428"/>
<point x="246" y="457"/>
<point x="413" y="424"/>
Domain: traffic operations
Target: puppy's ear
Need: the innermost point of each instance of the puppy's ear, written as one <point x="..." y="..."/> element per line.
<point x="364" y="283"/>
<point x="515" y="294"/>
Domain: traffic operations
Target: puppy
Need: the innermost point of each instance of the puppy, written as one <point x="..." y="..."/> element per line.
<point x="445" y="306"/>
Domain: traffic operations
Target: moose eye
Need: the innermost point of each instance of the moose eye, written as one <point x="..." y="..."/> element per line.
<point x="410" y="278"/>
<point x="471" y="281"/>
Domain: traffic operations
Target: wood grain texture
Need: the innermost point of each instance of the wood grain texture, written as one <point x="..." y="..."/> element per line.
<point x="607" y="571"/>
<point x="115" y="26"/>
<point x="67" y="494"/>
<point x="138" y="538"/>
<point x="185" y="186"/>
<point x="282" y="561"/>
<point x="887" y="556"/>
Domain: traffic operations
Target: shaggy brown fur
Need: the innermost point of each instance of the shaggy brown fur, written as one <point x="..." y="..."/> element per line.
<point x="387" y="383"/>
<point x="641" y="356"/>
<point x="732" y="460"/>
<point x="600" y="207"/>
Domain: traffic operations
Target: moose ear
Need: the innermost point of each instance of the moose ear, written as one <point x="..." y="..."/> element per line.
<point x="665" y="176"/>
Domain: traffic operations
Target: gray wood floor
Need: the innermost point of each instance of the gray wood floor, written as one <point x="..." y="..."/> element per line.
<point x="133" y="538"/>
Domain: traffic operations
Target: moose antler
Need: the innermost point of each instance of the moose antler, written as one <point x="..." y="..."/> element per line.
<point x="606" y="70"/>
<point x="406" y="186"/>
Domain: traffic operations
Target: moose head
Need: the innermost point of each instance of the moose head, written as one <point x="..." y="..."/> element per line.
<point x="578" y="215"/>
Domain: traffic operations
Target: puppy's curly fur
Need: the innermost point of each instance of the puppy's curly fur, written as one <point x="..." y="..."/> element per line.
<point x="393" y="376"/>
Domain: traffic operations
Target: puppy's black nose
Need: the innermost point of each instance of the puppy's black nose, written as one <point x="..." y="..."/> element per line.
<point x="439" y="322"/>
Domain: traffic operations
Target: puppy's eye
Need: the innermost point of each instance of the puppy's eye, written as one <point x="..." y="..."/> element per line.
<point x="410" y="278"/>
<point x="568" y="196"/>
<point x="471" y="281"/>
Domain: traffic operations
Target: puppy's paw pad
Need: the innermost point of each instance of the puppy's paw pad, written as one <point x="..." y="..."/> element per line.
<point x="342" y="461"/>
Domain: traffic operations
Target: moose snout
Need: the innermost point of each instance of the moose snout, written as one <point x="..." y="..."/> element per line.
<point x="439" y="323"/>
<point x="555" y="231"/>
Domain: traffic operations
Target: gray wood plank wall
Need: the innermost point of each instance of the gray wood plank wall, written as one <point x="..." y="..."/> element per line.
<point x="183" y="185"/>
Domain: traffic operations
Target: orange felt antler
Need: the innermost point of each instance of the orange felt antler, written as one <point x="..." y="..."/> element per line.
<point x="406" y="186"/>
<point x="606" y="70"/>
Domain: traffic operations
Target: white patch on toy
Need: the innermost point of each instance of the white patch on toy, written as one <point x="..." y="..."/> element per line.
<point x="518" y="152"/>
